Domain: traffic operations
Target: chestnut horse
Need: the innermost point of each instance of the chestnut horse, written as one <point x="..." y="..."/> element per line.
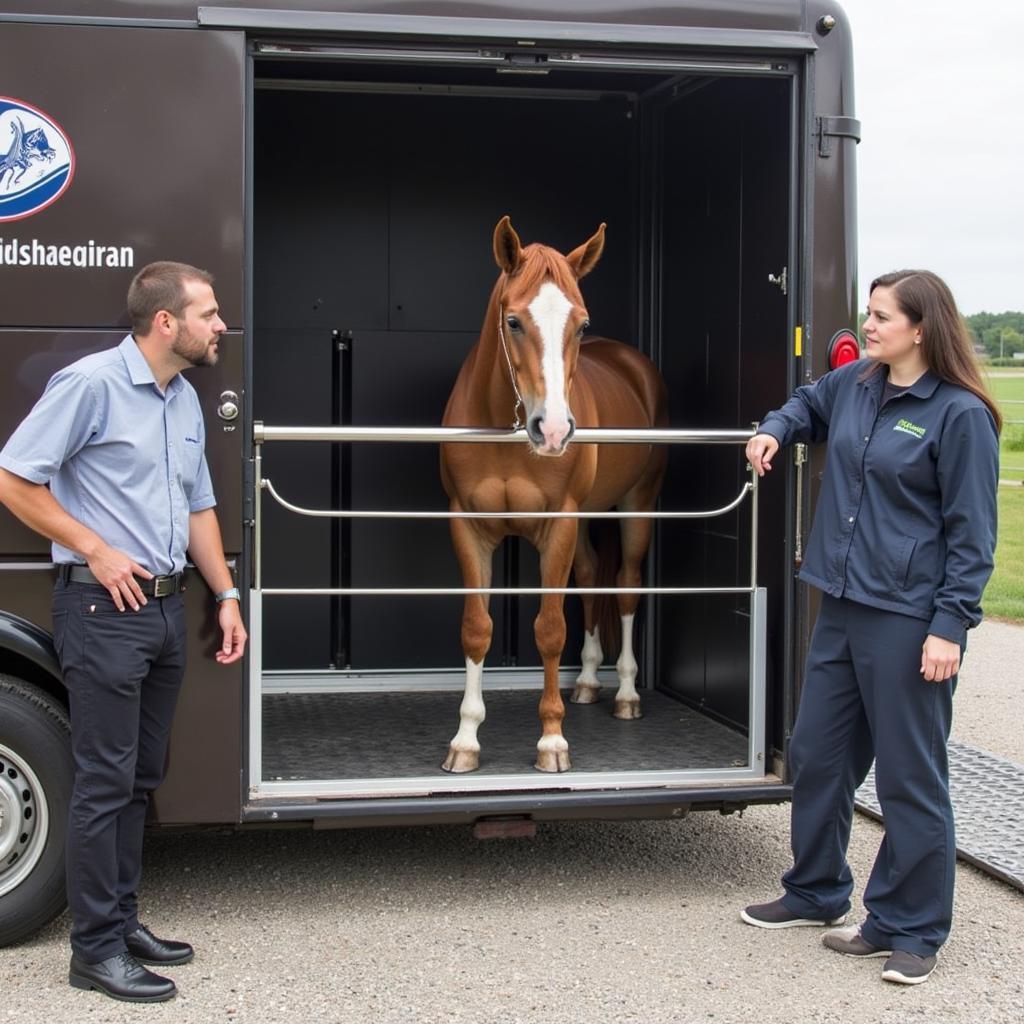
<point x="533" y="350"/>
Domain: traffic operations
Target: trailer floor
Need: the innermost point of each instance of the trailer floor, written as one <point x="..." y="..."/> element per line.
<point x="403" y="735"/>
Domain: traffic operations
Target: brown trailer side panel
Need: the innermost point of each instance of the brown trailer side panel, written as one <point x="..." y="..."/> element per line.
<point x="156" y="122"/>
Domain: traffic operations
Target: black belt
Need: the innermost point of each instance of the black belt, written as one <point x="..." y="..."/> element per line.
<point x="158" y="586"/>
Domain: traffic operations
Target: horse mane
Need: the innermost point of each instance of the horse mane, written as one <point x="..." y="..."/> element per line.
<point x="542" y="263"/>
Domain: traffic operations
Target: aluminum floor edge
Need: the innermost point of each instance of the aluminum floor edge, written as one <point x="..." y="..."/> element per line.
<point x="988" y="806"/>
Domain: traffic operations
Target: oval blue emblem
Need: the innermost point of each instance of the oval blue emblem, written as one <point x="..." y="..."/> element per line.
<point x="37" y="162"/>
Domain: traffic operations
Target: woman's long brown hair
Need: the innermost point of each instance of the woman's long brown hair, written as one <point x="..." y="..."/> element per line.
<point x="925" y="299"/>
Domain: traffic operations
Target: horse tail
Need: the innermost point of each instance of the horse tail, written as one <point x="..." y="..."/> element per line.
<point x="606" y="606"/>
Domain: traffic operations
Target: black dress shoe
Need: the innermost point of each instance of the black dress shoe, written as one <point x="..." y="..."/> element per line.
<point x="121" y="977"/>
<point x="148" y="949"/>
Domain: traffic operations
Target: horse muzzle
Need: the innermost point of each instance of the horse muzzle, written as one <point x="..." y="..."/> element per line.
<point x="549" y="436"/>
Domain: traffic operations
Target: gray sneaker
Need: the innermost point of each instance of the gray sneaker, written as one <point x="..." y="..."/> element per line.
<point x="908" y="968"/>
<point x="777" y="915"/>
<point x="850" y="942"/>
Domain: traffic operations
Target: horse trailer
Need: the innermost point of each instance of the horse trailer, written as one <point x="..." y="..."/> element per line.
<point x="339" y="166"/>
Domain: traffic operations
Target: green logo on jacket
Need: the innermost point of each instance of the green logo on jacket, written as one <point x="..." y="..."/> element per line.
<point x="906" y="427"/>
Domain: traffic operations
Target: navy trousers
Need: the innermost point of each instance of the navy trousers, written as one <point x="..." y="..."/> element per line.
<point x="865" y="699"/>
<point x="123" y="671"/>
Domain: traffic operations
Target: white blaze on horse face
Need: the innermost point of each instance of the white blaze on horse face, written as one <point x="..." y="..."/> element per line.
<point x="550" y="310"/>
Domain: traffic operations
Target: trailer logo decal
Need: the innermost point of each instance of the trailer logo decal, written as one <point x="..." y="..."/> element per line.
<point x="37" y="161"/>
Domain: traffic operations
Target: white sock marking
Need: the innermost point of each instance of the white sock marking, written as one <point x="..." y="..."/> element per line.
<point x="471" y="712"/>
<point x="626" y="666"/>
<point x="591" y="659"/>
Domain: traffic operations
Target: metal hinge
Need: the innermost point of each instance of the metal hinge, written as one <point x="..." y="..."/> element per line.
<point x="829" y="128"/>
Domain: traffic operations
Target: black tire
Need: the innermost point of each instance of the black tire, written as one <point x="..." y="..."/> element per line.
<point x="36" y="775"/>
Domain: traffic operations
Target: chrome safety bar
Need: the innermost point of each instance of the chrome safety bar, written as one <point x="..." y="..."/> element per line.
<point x="489" y="435"/>
<point x="493" y="435"/>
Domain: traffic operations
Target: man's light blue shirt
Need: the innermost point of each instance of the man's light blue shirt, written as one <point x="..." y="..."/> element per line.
<point x="122" y="457"/>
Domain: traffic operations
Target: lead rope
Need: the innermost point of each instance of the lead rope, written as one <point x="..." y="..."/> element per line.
<point x="517" y="423"/>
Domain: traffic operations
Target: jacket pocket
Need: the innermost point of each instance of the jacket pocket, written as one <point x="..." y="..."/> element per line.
<point x="903" y="552"/>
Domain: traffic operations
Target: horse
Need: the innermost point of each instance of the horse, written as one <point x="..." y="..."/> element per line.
<point x="534" y="352"/>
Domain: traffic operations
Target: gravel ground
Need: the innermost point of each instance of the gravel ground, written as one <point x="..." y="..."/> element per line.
<point x="587" y="922"/>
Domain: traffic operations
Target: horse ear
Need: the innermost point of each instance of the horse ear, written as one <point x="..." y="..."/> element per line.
<point x="508" y="253"/>
<point x="584" y="259"/>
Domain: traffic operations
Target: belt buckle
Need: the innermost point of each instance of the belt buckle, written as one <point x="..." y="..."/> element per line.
<point x="163" y="585"/>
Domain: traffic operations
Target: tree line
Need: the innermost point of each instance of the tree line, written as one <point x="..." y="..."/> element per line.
<point x="999" y="334"/>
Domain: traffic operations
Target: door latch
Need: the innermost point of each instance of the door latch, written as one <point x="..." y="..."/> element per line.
<point x="228" y="408"/>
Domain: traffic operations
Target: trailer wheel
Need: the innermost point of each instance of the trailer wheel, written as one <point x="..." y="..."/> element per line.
<point x="36" y="774"/>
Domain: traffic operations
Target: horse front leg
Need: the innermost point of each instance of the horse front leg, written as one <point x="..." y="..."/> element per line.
<point x="474" y="555"/>
<point x="549" y="630"/>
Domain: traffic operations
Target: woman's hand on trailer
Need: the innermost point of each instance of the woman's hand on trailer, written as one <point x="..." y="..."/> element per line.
<point x="761" y="448"/>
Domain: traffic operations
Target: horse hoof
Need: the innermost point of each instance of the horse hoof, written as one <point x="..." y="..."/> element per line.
<point x="459" y="761"/>
<point x="553" y="761"/>
<point x="584" y="694"/>
<point x="627" y="710"/>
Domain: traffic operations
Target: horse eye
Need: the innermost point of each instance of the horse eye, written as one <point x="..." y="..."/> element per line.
<point x="514" y="324"/>
<point x="584" y="327"/>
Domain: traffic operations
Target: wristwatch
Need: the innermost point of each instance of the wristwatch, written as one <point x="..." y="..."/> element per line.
<point x="228" y="595"/>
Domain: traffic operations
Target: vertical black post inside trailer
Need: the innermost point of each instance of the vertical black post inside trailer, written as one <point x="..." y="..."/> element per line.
<point x="341" y="485"/>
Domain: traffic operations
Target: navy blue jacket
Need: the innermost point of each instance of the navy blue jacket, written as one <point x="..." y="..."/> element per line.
<point x="906" y="517"/>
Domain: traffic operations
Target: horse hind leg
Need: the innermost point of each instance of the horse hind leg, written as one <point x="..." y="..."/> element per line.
<point x="636" y="537"/>
<point x="585" y="571"/>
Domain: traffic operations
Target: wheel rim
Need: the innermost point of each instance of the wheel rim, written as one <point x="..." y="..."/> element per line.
<point x="24" y="820"/>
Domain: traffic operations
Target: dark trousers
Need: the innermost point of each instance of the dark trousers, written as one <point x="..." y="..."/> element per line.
<point x="123" y="671"/>
<point x="864" y="698"/>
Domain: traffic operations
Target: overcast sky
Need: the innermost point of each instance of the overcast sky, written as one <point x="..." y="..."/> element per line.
<point x="940" y="96"/>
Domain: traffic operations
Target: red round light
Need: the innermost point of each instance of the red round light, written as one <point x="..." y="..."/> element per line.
<point x="842" y="349"/>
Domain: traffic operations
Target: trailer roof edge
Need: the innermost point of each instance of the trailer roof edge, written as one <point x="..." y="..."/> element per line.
<point x="259" y="19"/>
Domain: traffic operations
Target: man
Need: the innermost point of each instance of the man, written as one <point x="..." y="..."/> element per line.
<point x="119" y="438"/>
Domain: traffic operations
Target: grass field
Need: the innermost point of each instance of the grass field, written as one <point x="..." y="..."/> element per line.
<point x="1009" y="392"/>
<point x="1004" y="596"/>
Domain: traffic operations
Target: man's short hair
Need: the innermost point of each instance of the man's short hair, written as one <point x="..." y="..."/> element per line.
<point x="160" y="286"/>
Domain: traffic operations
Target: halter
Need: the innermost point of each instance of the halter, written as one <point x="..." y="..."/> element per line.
<point x="517" y="423"/>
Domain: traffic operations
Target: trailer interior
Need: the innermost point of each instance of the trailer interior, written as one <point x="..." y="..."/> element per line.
<point x="377" y="178"/>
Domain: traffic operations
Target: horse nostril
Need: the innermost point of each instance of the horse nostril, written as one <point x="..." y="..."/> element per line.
<point x="533" y="429"/>
<point x="572" y="430"/>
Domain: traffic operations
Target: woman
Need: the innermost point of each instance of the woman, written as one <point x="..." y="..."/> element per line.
<point x="901" y="548"/>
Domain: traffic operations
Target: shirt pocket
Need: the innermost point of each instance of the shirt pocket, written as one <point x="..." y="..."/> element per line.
<point x="191" y="459"/>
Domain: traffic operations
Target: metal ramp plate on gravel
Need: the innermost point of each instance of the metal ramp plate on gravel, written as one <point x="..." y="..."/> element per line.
<point x="988" y="806"/>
